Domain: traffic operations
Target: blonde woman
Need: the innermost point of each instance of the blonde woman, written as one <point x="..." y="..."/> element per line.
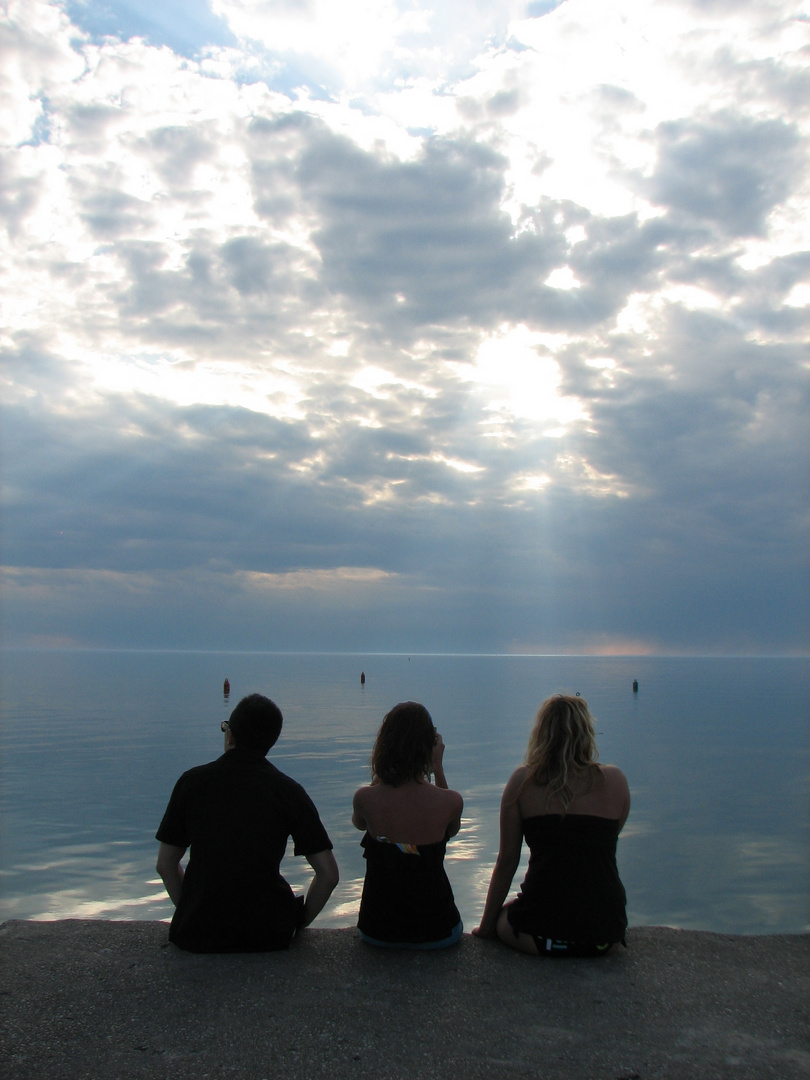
<point x="571" y="811"/>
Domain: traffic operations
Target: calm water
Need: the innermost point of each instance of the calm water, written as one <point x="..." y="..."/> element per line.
<point x="716" y="751"/>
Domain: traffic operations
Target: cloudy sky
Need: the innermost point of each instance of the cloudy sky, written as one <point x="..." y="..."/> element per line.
<point x="411" y="325"/>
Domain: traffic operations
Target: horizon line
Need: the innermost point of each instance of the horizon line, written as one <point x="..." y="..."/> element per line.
<point x="391" y="652"/>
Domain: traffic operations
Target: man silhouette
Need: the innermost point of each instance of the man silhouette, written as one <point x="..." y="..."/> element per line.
<point x="236" y="814"/>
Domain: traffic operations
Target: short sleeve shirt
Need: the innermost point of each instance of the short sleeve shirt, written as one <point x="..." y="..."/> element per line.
<point x="236" y="815"/>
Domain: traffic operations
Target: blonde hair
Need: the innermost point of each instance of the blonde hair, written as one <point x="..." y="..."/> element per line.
<point x="562" y="746"/>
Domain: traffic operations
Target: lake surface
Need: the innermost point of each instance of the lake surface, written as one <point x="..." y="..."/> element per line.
<point x="717" y="753"/>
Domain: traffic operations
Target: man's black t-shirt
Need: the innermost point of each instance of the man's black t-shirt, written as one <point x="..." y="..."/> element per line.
<point x="236" y="814"/>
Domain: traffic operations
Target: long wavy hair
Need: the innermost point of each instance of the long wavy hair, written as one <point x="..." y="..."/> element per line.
<point x="403" y="749"/>
<point x="562" y="748"/>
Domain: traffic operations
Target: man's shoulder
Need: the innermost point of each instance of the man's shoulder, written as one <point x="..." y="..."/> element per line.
<point x="282" y="780"/>
<point x="260" y="770"/>
<point x="253" y="770"/>
<point x="200" y="771"/>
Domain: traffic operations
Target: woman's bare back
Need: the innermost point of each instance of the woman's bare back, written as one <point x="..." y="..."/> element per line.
<point x="412" y="813"/>
<point x="603" y="793"/>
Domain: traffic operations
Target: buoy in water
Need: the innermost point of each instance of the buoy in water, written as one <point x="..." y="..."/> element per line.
<point x="362" y="678"/>
<point x="226" y="688"/>
<point x="635" y="686"/>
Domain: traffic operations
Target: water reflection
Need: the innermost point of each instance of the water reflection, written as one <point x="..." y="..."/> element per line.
<point x="97" y="746"/>
<point x="465" y="845"/>
<point x="343" y="910"/>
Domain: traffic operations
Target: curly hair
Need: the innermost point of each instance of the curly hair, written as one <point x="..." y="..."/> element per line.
<point x="403" y="749"/>
<point x="562" y="745"/>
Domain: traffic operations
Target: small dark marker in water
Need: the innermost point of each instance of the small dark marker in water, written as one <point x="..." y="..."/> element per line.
<point x="635" y="686"/>
<point x="362" y="678"/>
<point x="226" y="688"/>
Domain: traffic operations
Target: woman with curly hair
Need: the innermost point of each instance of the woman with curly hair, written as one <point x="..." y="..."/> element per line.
<point x="407" y="900"/>
<point x="571" y="811"/>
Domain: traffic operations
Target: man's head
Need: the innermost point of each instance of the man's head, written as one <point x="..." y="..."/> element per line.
<point x="255" y="723"/>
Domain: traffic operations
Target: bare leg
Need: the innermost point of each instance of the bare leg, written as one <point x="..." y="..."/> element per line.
<point x="521" y="942"/>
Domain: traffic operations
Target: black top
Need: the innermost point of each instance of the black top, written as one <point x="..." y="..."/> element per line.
<point x="572" y="890"/>
<point x="236" y="814"/>
<point x="406" y="898"/>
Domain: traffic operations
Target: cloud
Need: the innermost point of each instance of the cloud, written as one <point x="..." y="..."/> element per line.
<point x="730" y="172"/>
<point x="496" y="342"/>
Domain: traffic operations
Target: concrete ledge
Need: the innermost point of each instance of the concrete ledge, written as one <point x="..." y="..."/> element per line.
<point x="98" y="1000"/>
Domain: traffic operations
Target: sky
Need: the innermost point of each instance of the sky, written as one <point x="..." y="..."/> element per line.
<point x="405" y="325"/>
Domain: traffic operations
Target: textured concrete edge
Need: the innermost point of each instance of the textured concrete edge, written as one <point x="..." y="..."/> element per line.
<point x="105" y="999"/>
<point x="646" y="945"/>
<point x="11" y="929"/>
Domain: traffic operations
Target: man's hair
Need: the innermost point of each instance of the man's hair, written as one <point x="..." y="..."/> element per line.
<point x="255" y="723"/>
<point x="404" y="747"/>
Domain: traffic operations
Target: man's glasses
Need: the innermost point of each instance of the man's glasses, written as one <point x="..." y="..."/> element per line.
<point x="225" y="725"/>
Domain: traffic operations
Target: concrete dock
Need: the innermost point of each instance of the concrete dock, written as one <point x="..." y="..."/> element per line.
<point x="92" y="1000"/>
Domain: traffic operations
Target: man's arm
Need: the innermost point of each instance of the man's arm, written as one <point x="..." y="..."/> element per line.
<point x="170" y="870"/>
<point x="322" y="885"/>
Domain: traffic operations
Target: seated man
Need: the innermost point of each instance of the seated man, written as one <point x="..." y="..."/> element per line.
<point x="236" y="814"/>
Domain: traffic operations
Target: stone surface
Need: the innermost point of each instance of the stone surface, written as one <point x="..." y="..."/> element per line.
<point x="97" y="1000"/>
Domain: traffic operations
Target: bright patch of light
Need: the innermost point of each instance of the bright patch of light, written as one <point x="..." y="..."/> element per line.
<point x="457" y="464"/>
<point x="799" y="295"/>
<point x="328" y="580"/>
<point x="352" y="35"/>
<point x="638" y="316"/>
<point x="534" y="482"/>
<point x="438" y="459"/>
<point x="417" y="105"/>
<point x="271" y="390"/>
<point x="691" y="297"/>
<point x="520" y="380"/>
<point x="563" y="278"/>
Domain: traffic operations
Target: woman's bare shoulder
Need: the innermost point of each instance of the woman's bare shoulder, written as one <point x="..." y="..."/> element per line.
<point x="454" y="798"/>
<point x="613" y="775"/>
<point x="616" y="788"/>
<point x="516" y="781"/>
<point x="436" y="794"/>
<point x="362" y="794"/>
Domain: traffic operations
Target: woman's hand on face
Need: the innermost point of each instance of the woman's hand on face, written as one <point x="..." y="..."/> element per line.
<point x="438" y="753"/>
